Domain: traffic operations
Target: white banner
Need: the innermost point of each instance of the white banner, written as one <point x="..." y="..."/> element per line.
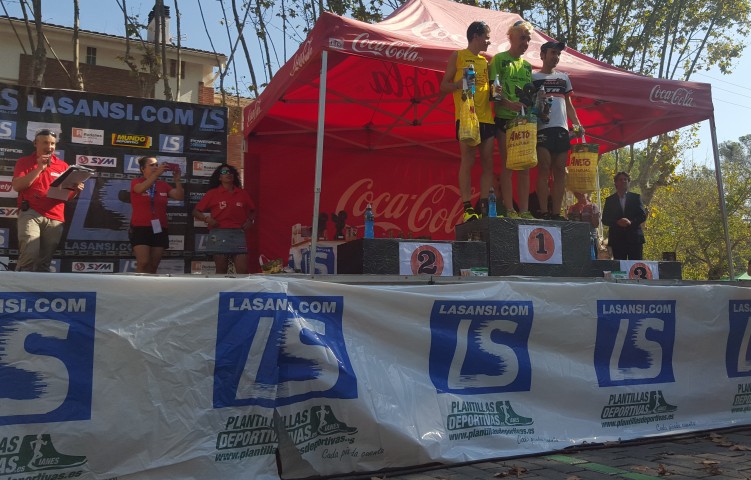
<point x="145" y="377"/>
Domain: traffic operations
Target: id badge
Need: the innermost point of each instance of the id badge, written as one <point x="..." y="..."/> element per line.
<point x="156" y="226"/>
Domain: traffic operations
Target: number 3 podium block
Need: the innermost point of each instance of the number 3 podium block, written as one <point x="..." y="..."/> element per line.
<point x="548" y="248"/>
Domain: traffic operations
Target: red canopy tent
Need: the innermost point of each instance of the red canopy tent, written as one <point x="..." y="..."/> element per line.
<point x="358" y="109"/>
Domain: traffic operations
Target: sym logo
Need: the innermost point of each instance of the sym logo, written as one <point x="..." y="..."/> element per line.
<point x="634" y="344"/>
<point x="171" y="143"/>
<point x="52" y="335"/>
<point x="479" y="347"/>
<point x="92" y="161"/>
<point x="274" y="350"/>
<point x="7" y="130"/>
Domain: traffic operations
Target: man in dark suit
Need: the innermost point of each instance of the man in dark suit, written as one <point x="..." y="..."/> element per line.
<point x="624" y="214"/>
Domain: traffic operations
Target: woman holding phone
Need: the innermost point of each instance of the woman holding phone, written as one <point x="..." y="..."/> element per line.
<point x="148" y="222"/>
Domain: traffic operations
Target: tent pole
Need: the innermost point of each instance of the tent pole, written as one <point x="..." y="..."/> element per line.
<point x="319" y="162"/>
<point x="721" y="193"/>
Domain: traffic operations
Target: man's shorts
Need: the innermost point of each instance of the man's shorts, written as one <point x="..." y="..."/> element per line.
<point x="554" y="139"/>
<point x="487" y="130"/>
<point x="146" y="236"/>
<point x="501" y="124"/>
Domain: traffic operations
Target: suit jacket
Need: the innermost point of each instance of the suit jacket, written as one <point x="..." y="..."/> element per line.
<point x="634" y="211"/>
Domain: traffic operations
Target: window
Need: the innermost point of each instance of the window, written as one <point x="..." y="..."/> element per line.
<point x="173" y="69"/>
<point x="90" y="56"/>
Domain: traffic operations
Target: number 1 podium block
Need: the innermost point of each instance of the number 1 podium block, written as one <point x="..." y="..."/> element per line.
<point x="548" y="248"/>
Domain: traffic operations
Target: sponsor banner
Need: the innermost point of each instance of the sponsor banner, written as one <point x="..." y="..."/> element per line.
<point x="131" y="140"/>
<point x="108" y="133"/>
<point x="88" y="136"/>
<point x="7" y="130"/>
<point x="6" y="188"/>
<point x="204" y="169"/>
<point x="95" y="161"/>
<point x="351" y="379"/>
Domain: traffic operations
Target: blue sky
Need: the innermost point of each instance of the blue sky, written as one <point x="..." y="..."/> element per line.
<point x="732" y="102"/>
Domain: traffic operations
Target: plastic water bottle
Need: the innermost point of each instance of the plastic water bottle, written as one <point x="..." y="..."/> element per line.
<point x="369" y="222"/>
<point x="492" y="212"/>
<point x="497" y="89"/>
<point x="471" y="78"/>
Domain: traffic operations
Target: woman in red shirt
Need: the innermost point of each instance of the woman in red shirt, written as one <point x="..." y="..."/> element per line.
<point x="228" y="211"/>
<point x="148" y="222"/>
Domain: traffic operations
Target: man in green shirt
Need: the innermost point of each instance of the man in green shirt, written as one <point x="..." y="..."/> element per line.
<point x="513" y="71"/>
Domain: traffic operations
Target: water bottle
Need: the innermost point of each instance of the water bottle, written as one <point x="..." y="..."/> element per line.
<point x="497" y="89"/>
<point x="471" y="78"/>
<point x="369" y="222"/>
<point x="492" y="212"/>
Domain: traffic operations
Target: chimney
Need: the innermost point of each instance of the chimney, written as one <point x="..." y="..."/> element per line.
<point x="154" y="21"/>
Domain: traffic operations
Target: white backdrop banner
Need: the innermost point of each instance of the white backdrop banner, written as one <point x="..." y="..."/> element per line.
<point x="145" y="377"/>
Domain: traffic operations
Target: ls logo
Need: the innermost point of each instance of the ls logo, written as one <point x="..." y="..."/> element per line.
<point x="274" y="350"/>
<point x="737" y="355"/>
<point x="171" y="143"/>
<point x="46" y="357"/>
<point x="325" y="262"/>
<point x="480" y="347"/>
<point x="634" y="343"/>
<point x="7" y="130"/>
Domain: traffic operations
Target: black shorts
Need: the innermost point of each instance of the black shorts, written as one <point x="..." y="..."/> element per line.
<point x="554" y="139"/>
<point x="146" y="236"/>
<point x="487" y="130"/>
<point x="501" y="124"/>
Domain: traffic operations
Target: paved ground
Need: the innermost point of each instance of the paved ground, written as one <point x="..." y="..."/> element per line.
<point x="722" y="454"/>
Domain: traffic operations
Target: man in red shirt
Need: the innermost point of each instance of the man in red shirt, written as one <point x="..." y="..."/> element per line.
<point x="40" y="218"/>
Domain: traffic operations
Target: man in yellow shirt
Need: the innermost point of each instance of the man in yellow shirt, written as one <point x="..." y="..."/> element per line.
<point x="459" y="63"/>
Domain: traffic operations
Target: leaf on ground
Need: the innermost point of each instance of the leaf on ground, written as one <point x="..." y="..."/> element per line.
<point x="640" y="468"/>
<point x="662" y="470"/>
<point x="709" y="462"/>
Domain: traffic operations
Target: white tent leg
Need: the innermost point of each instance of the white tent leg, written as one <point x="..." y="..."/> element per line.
<point x="721" y="193"/>
<point x="319" y="162"/>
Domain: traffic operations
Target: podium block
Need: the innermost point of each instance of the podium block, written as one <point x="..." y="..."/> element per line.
<point x="381" y="255"/>
<point x="666" y="270"/>
<point x="501" y="236"/>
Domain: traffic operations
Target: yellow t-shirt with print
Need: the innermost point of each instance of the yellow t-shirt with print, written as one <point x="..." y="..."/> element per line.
<point x="464" y="59"/>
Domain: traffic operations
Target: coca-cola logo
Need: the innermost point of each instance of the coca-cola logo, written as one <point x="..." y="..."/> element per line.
<point x="302" y="58"/>
<point x="680" y="96"/>
<point x="253" y="113"/>
<point x="397" y="50"/>
<point x="437" y="209"/>
<point x="433" y="31"/>
<point x="421" y="83"/>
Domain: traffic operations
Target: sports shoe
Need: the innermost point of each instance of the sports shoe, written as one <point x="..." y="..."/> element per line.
<point x="470" y="215"/>
<point x="527" y="215"/>
<point x="512" y="214"/>
<point x="558" y="217"/>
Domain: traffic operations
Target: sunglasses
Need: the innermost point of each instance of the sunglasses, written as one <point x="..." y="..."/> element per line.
<point x="225" y="171"/>
<point x="45" y="132"/>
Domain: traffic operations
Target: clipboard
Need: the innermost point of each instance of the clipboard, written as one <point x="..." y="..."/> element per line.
<point x="62" y="186"/>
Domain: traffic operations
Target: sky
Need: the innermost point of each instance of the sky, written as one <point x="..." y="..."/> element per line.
<point x="732" y="101"/>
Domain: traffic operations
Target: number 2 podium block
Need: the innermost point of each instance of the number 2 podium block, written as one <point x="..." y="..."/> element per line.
<point x="381" y="255"/>
<point x="547" y="253"/>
